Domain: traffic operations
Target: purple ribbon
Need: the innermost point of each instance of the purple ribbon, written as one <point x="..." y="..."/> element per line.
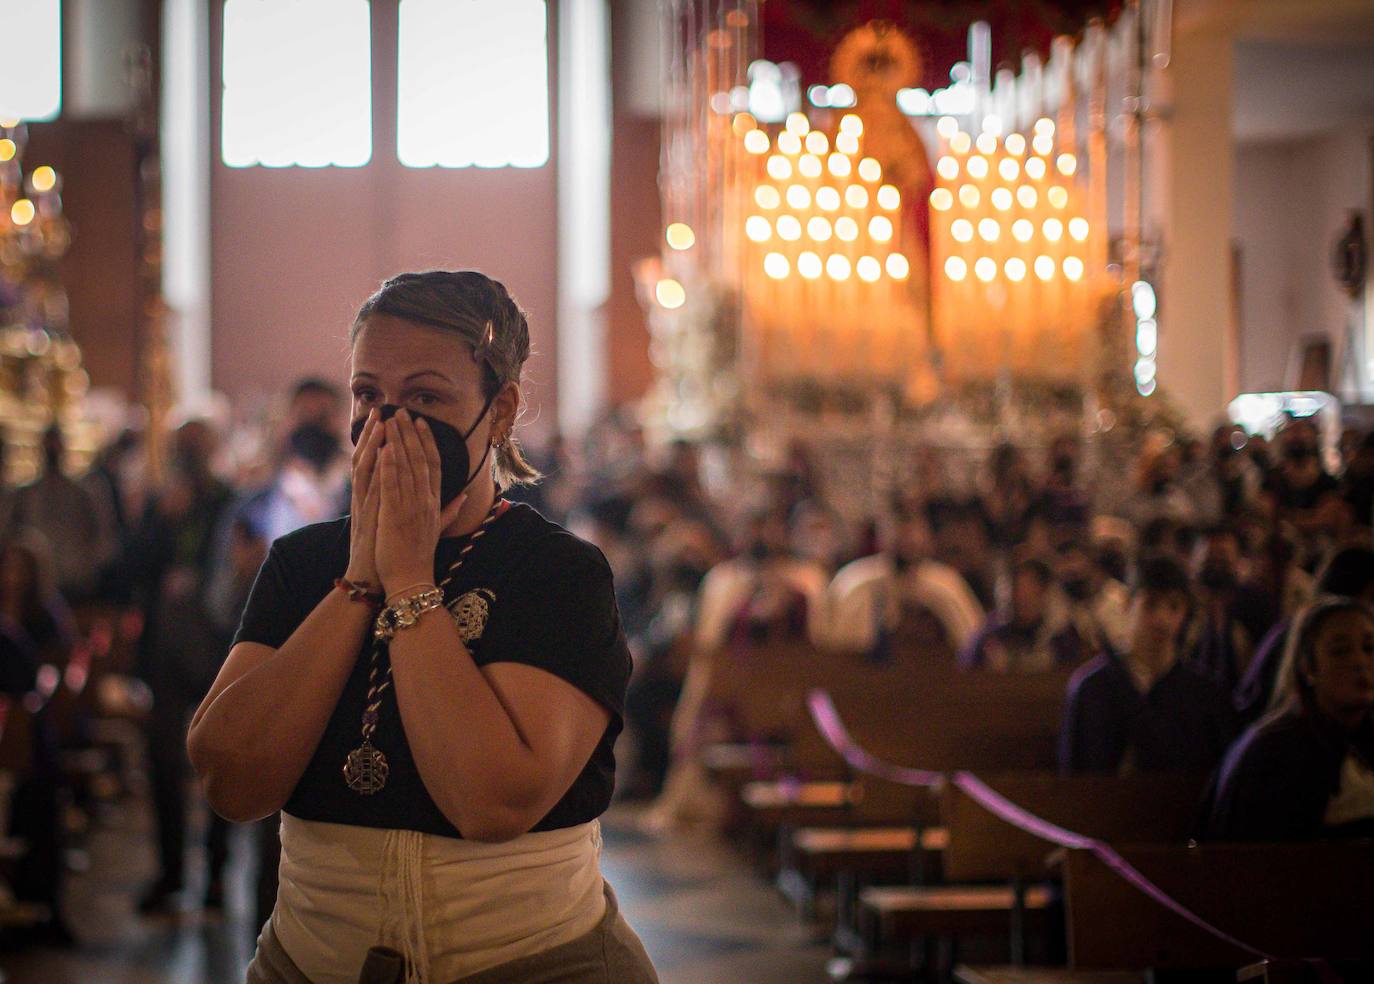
<point x="827" y="718"/>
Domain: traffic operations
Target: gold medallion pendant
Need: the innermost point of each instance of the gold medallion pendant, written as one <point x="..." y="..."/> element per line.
<point x="365" y="769"/>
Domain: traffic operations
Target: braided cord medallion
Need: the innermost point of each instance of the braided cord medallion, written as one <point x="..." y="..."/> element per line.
<point x="365" y="769"/>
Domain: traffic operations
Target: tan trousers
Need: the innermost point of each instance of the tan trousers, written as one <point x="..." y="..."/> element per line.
<point x="610" y="954"/>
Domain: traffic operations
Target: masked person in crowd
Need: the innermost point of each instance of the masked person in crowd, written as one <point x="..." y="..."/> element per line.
<point x="365" y="637"/>
<point x="1096" y="605"/>
<point x="901" y="601"/>
<point x="1305" y="493"/>
<point x="1064" y="504"/>
<point x="1232" y="617"/>
<point x="1145" y="710"/>
<point x="1026" y="638"/>
<point x="1307" y="770"/>
<point x="1158" y="495"/>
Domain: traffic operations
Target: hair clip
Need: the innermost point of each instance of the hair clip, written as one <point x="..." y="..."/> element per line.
<point x="483" y="349"/>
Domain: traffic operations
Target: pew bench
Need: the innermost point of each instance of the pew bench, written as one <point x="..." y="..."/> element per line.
<point x="1293" y="900"/>
<point x="997" y="874"/>
<point x="824" y="852"/>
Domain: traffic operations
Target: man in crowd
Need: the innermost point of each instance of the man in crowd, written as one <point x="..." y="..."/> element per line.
<point x="889" y="603"/>
<point x="1145" y="710"/>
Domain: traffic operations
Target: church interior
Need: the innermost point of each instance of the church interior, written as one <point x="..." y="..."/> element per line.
<point x="950" y="424"/>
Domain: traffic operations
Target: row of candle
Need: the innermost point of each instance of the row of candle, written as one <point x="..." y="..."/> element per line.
<point x="825" y="274"/>
<point x="1009" y="247"/>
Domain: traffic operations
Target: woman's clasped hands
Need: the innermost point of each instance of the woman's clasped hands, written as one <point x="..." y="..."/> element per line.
<point x="396" y="516"/>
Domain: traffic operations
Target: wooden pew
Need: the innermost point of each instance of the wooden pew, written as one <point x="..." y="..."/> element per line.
<point x="932" y="718"/>
<point x="1292" y="900"/>
<point x="995" y="872"/>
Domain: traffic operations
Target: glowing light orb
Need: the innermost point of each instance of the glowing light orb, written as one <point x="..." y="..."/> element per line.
<point x="670" y="293"/>
<point x="776" y="266"/>
<point x="680" y="235"/>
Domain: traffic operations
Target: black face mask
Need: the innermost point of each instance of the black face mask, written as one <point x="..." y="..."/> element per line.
<point x="314" y="445"/>
<point x="760" y="551"/>
<point x="1078" y="588"/>
<point x="454" y="462"/>
<point x="1217" y="577"/>
<point x="902" y="561"/>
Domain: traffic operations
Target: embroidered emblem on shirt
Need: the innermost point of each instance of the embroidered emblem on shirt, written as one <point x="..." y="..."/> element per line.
<point x="470" y="611"/>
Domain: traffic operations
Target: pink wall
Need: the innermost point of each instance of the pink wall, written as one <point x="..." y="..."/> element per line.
<point x="295" y="251"/>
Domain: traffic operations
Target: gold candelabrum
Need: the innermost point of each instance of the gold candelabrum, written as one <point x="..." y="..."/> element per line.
<point x="42" y="381"/>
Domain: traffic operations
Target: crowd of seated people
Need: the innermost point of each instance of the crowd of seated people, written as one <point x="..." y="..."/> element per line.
<point x="1173" y="603"/>
<point x="1185" y="608"/>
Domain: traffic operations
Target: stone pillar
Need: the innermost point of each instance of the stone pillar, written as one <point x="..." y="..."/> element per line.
<point x="1190" y="198"/>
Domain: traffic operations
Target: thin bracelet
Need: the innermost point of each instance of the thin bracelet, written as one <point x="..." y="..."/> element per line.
<point x="423" y="584"/>
<point x="359" y="591"/>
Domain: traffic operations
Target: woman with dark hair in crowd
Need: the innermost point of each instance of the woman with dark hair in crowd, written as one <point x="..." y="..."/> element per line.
<point x="1349" y="573"/>
<point x="1307" y="770"/>
<point x="430" y="688"/>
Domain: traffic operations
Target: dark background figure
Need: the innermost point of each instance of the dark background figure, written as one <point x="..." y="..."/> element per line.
<point x="1063" y="502"/>
<point x="81" y="532"/>
<point x="35" y="628"/>
<point x="1232" y="615"/>
<point x="1357" y="483"/>
<point x="231" y="580"/>
<point x="1305" y="493"/>
<point x="171" y="561"/>
<point x="1021" y="639"/>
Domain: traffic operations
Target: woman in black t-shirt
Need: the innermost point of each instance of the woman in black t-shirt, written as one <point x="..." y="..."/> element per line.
<point x="430" y="688"/>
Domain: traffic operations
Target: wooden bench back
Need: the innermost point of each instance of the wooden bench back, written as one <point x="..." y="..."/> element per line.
<point x="1291" y="900"/>
<point x="16" y="737"/>
<point x="1139" y="809"/>
<point x="925" y="715"/>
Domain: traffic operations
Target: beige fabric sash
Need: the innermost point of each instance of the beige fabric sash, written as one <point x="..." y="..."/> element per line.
<point x="451" y="907"/>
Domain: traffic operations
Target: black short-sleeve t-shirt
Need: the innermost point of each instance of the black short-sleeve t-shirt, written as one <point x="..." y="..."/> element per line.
<point x="528" y="592"/>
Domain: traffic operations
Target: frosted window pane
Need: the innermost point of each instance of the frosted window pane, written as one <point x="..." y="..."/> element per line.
<point x="473" y="86"/>
<point x="31" y="69"/>
<point x="297" y="83"/>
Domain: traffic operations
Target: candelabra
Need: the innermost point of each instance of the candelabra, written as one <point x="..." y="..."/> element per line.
<point x="41" y="377"/>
